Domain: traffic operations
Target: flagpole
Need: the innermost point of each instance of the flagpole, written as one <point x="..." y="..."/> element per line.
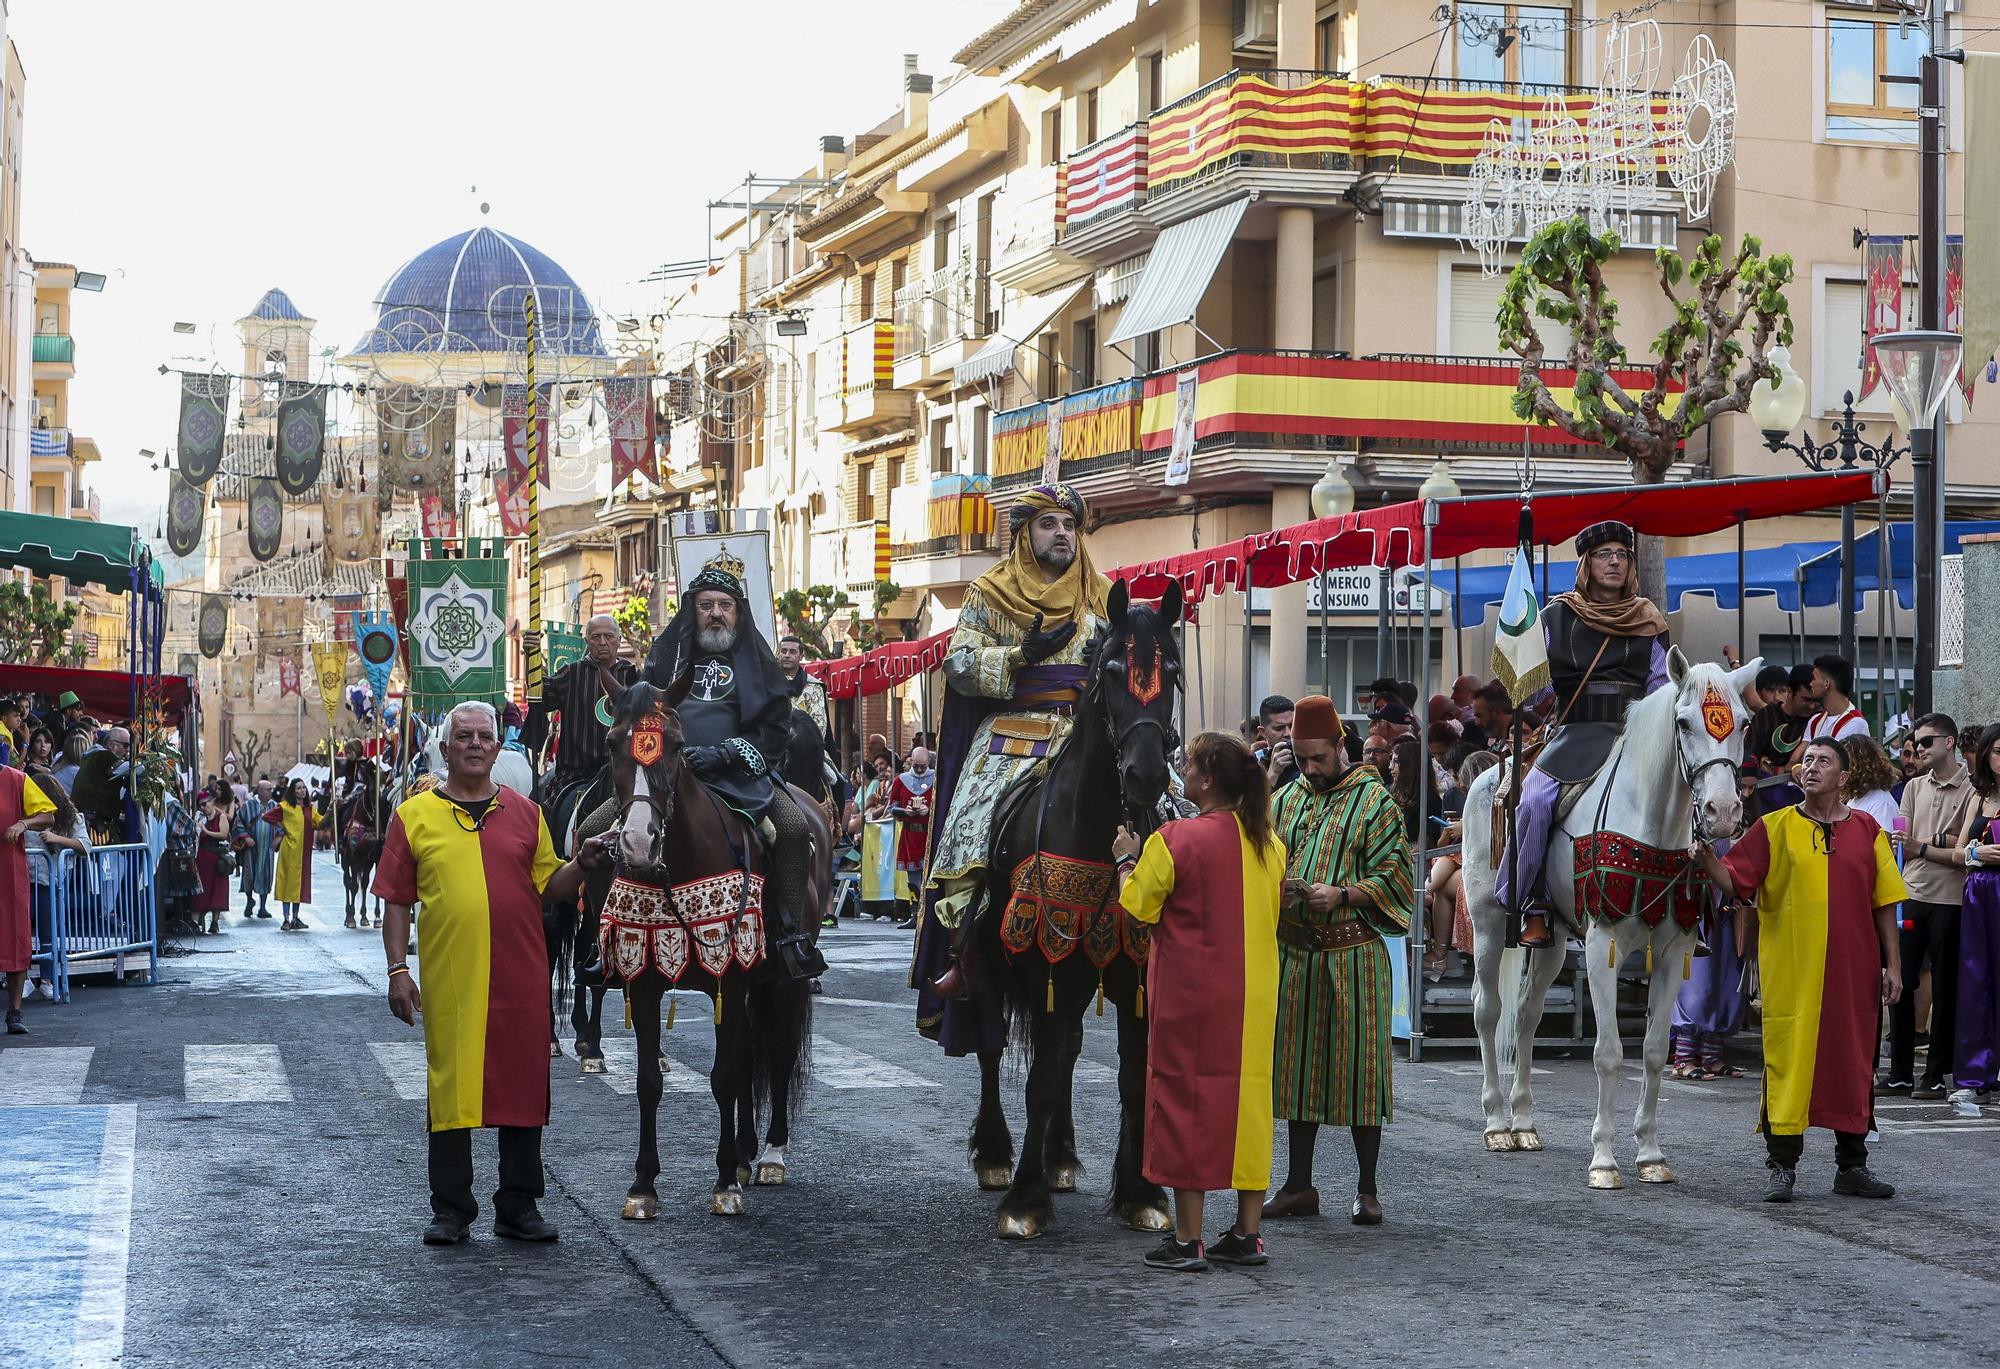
<point x="532" y="662"/>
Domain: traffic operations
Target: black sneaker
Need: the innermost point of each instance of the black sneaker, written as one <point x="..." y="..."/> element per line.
<point x="444" y="1231"/>
<point x="524" y="1226"/>
<point x="1894" y="1088"/>
<point x="14" y="1027"/>
<point x="1929" y="1092"/>
<point x="1778" y="1189"/>
<point x="1182" y="1258"/>
<point x="1232" y="1248"/>
<point x="1858" y="1182"/>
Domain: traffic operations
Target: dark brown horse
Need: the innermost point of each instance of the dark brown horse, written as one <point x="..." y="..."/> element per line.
<point x="685" y="863"/>
<point x="1065" y="939"/>
<point x="359" y="820"/>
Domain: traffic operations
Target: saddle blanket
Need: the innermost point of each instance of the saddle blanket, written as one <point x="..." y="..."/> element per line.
<point x="711" y="923"/>
<point x="1065" y="903"/>
<point x="1617" y="878"/>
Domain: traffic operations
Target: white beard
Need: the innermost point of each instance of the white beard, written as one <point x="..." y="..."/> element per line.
<point x="716" y="640"/>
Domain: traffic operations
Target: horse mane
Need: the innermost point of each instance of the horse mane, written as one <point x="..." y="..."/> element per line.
<point x="1649" y="722"/>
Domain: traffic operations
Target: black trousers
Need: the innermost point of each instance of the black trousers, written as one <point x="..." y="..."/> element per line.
<point x="1850" y="1149"/>
<point x="451" y="1173"/>
<point x="1931" y="936"/>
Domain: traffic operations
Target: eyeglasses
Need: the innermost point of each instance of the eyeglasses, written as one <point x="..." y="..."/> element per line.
<point x="467" y="823"/>
<point x="1926" y="743"/>
<point x="1611" y="554"/>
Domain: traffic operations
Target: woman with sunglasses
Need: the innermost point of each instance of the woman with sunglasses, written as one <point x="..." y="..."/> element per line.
<point x="1825" y="886"/>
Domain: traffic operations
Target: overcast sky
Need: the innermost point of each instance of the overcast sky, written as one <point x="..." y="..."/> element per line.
<point x="199" y="153"/>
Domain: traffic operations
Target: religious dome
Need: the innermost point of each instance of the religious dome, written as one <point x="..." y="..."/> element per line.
<point x="456" y="282"/>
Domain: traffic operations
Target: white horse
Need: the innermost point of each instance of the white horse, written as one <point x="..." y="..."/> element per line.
<point x="1673" y="771"/>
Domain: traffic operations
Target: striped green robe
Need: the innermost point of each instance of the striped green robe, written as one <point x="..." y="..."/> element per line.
<point x="1333" y="1006"/>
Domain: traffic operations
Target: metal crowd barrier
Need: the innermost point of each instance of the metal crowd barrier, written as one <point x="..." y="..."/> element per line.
<point x="97" y="914"/>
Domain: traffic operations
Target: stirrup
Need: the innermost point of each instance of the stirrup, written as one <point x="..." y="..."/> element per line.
<point x="1548" y="930"/>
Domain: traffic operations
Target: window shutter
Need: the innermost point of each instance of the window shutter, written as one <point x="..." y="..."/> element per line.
<point x="1475" y="300"/>
<point x="1326" y="312"/>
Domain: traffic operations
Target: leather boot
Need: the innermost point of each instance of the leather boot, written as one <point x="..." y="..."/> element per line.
<point x="1535" y="933"/>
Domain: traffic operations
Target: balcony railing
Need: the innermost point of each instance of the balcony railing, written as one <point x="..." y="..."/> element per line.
<point x="1289" y="401"/>
<point x="58" y="349"/>
<point x="84" y="501"/>
<point x="1425" y="124"/>
<point x="1299" y="119"/>
<point x="1028" y="214"/>
<point x="945" y="307"/>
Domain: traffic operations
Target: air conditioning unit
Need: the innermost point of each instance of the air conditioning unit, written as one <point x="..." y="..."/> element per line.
<point x="1256" y="25"/>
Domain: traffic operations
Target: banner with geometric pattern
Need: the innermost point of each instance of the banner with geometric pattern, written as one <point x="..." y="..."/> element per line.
<point x="458" y="625"/>
<point x="213" y="630"/>
<point x="330" y="671"/>
<point x="187" y="511"/>
<point x="301" y="438"/>
<point x="204" y="424"/>
<point x="376" y="643"/>
<point x="266" y="516"/>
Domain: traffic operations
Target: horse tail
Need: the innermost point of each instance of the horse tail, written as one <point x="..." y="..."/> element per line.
<point x="781" y="1041"/>
<point x="563" y="959"/>
<point x="1513" y="969"/>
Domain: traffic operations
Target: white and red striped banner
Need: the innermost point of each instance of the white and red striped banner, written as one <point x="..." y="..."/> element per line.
<point x="1109" y="174"/>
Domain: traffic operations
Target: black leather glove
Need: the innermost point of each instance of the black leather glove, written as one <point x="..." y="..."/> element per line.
<point x="708" y="761"/>
<point x="1039" y="645"/>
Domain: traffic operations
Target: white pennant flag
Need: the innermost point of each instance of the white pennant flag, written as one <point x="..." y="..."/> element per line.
<point x="1520" y="654"/>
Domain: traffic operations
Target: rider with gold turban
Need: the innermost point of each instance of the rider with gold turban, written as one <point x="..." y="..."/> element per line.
<point x="1607" y="649"/>
<point x="1014" y="674"/>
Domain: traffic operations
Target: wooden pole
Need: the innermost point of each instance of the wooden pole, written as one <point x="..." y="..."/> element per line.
<point x="533" y="657"/>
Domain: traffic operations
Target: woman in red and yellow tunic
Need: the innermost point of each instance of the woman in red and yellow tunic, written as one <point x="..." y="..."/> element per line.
<point x="1211" y="884"/>
<point x="24" y="808"/>
<point x="480" y="861"/>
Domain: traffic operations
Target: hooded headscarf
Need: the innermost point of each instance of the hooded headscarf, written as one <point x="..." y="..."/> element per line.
<point x="762" y="690"/>
<point x="1018" y="588"/>
<point x="1629" y="615"/>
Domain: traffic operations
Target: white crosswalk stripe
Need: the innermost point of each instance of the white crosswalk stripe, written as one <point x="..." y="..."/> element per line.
<point x="44" y="1076"/>
<point x="836" y="1066"/>
<point x="621" y="1054"/>
<point x="235" y="1074"/>
<point x="403" y="1062"/>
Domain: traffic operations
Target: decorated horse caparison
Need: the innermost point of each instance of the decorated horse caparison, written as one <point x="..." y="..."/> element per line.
<point x="1054" y="936"/>
<point x="684" y="911"/>
<point x="1618" y="872"/>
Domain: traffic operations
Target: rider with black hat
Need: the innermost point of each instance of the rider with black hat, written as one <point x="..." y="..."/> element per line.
<point x="1607" y="648"/>
<point x="736" y="720"/>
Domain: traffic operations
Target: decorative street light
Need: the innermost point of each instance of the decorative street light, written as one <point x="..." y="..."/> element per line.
<point x="1332" y="495"/>
<point x="1919" y="366"/>
<point x="1776" y="407"/>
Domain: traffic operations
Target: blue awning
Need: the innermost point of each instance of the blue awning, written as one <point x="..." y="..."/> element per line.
<point x="1823" y="571"/>
<point x="1766" y="570"/>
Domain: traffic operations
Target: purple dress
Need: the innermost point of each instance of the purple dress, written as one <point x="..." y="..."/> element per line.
<point x="1973" y="1056"/>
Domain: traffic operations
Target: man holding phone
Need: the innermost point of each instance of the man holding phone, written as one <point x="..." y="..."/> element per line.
<point x="1274" y="716"/>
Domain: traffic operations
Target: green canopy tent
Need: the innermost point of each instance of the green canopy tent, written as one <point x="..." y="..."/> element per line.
<point x="87" y="553"/>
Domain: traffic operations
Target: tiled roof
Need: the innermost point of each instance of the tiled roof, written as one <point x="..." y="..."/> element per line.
<point x="463" y="280"/>
<point x="277" y="305"/>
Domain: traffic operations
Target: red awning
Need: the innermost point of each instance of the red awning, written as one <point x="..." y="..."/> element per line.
<point x="1392" y="536"/>
<point x="106" y="694"/>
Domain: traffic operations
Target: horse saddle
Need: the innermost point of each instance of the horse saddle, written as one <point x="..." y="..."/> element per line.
<point x="1567" y="793"/>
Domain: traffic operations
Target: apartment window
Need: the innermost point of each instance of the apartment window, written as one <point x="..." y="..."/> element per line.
<point x="1052" y="135"/>
<point x="1086" y="118"/>
<point x="1326" y="43"/>
<point x="45" y="500"/>
<point x="1838" y="347"/>
<point x="48" y="319"/>
<point x="864" y="491"/>
<point x="867" y="294"/>
<point x="942" y="233"/>
<point x="1514" y="44"/>
<point x="896" y="464"/>
<point x="1473" y="309"/>
<point x="1326" y="311"/>
<point x="1860" y="107"/>
<point x="1146" y="353"/>
<point x="1152" y="82"/>
<point x="979" y="440"/>
<point x="635" y="556"/>
<point x="1083" y="355"/>
<point x="940" y="445"/>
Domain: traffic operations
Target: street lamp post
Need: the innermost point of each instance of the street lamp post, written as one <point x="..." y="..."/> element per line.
<point x="1919" y="366"/>
<point x="1777" y="407"/>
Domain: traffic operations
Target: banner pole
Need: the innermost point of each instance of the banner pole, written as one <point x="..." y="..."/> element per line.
<point x="532" y="658"/>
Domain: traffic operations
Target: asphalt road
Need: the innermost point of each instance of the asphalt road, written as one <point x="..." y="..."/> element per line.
<point x="228" y="1167"/>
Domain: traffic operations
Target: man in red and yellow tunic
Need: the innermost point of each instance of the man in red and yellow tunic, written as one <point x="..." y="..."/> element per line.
<point x="480" y="861"/>
<point x="24" y="808"/>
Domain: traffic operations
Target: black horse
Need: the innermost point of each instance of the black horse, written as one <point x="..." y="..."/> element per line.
<point x="360" y="818"/>
<point x="1053" y="935"/>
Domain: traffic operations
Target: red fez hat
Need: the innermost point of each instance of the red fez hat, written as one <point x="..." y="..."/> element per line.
<point x="1315" y="719"/>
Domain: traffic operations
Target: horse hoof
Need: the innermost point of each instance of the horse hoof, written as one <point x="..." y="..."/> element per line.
<point x="1500" y="1140"/>
<point x="593" y="1064"/>
<point x="641" y="1207"/>
<point x="666" y="1065"/>
<point x="1528" y="1140"/>
<point x="742" y="1175"/>
<point x="1062" y="1177"/>
<point x="727" y="1202"/>
<point x="994" y="1177"/>
<point x="1019" y="1228"/>
<point x="1149" y="1218"/>
<point x="770" y="1175"/>
<point x="1655" y="1172"/>
<point x="1606" y="1178"/>
<point x="555" y="1050"/>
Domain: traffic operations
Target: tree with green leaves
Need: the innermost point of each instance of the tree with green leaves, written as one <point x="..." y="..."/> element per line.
<point x="1715" y="347"/>
<point x="35" y="629"/>
<point x="810" y="614"/>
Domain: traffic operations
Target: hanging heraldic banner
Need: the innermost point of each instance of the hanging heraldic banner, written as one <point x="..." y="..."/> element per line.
<point x="375" y="635"/>
<point x="204" y="421"/>
<point x="187" y="510"/>
<point x="458" y="626"/>
<point x="266" y="517"/>
<point x="629" y="402"/>
<point x="213" y="628"/>
<point x="301" y="437"/>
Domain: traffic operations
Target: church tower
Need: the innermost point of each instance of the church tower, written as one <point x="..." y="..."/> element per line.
<point x="277" y="338"/>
